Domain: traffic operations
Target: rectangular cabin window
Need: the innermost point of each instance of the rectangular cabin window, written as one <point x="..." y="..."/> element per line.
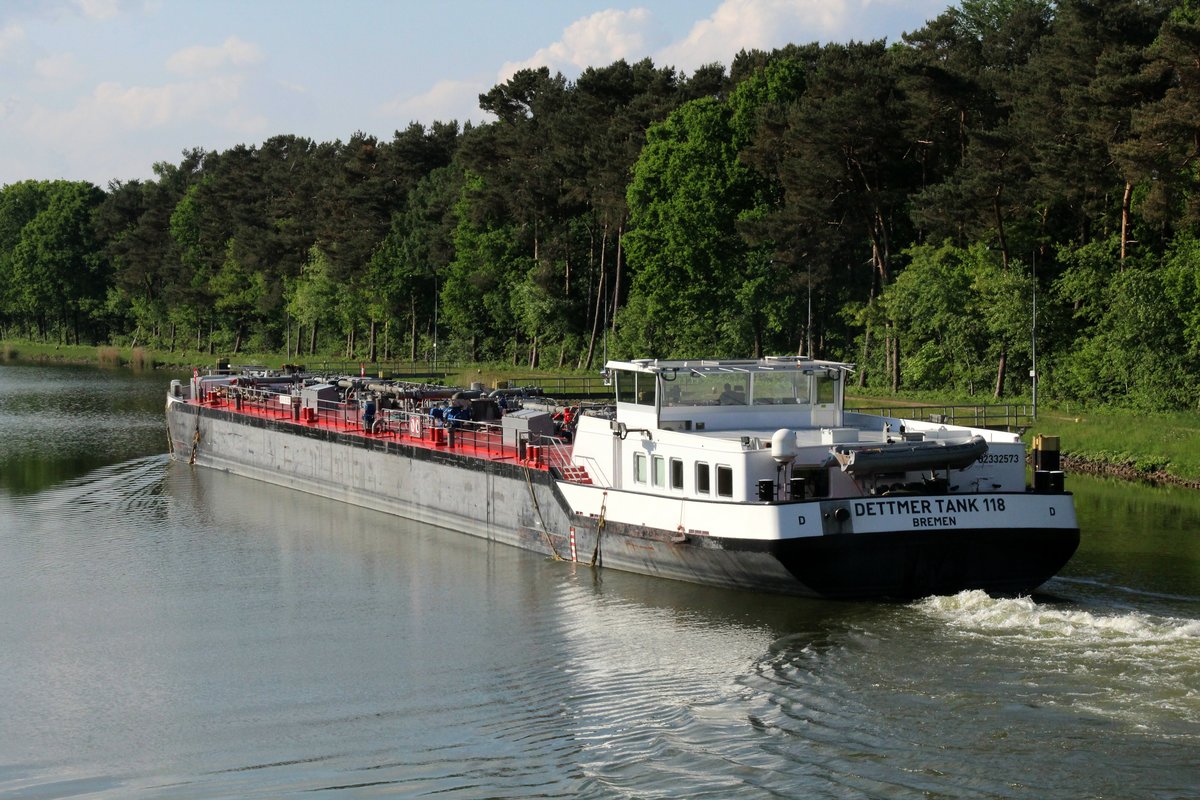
<point x="676" y="473"/>
<point x="702" y="478"/>
<point x="826" y="390"/>
<point x="724" y="481"/>
<point x="626" y="386"/>
<point x="660" y="470"/>
<point x="784" y="387"/>
<point x="645" y="389"/>
<point x="635" y="387"/>
<point x="639" y="467"/>
<point x="688" y="389"/>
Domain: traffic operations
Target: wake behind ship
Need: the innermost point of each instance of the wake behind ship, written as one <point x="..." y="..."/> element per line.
<point x="746" y="474"/>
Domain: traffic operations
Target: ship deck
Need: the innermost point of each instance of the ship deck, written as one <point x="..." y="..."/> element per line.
<point x="482" y="440"/>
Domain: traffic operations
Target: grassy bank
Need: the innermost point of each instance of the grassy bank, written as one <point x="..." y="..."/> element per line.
<point x="146" y="358"/>
<point x="104" y="355"/>
<point x="1154" y="446"/>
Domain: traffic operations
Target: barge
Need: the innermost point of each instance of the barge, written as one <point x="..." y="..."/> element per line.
<point x="746" y="474"/>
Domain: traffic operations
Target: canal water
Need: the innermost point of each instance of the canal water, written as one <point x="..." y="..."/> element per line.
<point x="173" y="632"/>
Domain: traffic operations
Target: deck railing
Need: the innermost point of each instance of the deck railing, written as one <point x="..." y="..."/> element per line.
<point x="485" y="439"/>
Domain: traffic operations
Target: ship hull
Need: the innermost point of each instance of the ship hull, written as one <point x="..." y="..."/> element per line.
<point x="511" y="503"/>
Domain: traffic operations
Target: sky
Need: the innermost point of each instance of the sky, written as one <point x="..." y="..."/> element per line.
<point x="101" y="90"/>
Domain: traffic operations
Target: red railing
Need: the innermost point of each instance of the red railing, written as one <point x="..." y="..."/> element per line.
<point x="488" y="440"/>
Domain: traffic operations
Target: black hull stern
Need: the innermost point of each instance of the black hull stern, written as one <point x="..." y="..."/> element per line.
<point x="909" y="565"/>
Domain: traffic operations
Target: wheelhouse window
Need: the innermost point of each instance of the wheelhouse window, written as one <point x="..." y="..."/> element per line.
<point x="676" y="473"/>
<point x="685" y="388"/>
<point x="626" y="386"/>
<point x="785" y="387"/>
<point x="826" y="390"/>
<point x="659" y="478"/>
<point x="639" y="467"/>
<point x="724" y="481"/>
<point x="702" y="478"/>
<point x="635" y="387"/>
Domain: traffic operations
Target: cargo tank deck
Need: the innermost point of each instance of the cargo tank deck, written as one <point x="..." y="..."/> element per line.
<point x="486" y="441"/>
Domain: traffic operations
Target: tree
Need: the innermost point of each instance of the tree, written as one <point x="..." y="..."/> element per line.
<point x="20" y="204"/>
<point x="476" y="293"/>
<point x="1164" y="149"/>
<point x="312" y="294"/>
<point x="685" y="197"/>
<point x="56" y="263"/>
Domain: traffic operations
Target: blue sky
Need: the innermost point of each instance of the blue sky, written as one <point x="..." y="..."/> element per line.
<point x="100" y="90"/>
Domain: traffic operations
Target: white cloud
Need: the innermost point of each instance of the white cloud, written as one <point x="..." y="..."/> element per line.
<point x="446" y="100"/>
<point x="10" y="37"/>
<point x="197" y="59"/>
<point x="121" y="130"/>
<point x="593" y="41"/>
<point x="113" y="109"/>
<point x="98" y="9"/>
<point x="59" y="68"/>
<point x="756" y="24"/>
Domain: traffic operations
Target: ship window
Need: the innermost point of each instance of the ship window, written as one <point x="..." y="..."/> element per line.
<point x="724" y="481"/>
<point x="626" y="386"/>
<point x="780" y="388"/>
<point x="702" y="478"/>
<point x="676" y="473"/>
<point x="660" y="470"/>
<point x="688" y="389"/>
<point x="635" y="387"/>
<point x="826" y="390"/>
<point x="645" y="389"/>
<point x="639" y="467"/>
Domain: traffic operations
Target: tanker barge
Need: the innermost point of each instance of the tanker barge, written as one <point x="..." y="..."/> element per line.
<point x="746" y="474"/>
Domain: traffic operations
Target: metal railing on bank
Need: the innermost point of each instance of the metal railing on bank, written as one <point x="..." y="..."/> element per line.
<point x="1013" y="417"/>
<point x="400" y="370"/>
<point x="568" y="387"/>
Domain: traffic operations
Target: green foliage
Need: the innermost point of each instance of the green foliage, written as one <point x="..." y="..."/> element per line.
<point x="1135" y="354"/>
<point x="964" y="310"/>
<point x="685" y="198"/>
<point x="904" y="193"/>
<point x="478" y="284"/>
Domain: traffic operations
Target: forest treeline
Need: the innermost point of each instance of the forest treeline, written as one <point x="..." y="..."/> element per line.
<point x="918" y="208"/>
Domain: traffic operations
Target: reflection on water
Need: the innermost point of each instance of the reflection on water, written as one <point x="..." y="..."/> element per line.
<point x="177" y="632"/>
<point x="59" y="422"/>
<point x="1141" y="545"/>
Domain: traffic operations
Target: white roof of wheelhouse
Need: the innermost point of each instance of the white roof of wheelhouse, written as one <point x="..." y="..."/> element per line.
<point x="708" y="366"/>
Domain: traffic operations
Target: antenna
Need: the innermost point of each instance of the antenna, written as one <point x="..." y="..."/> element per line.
<point x="1033" y="373"/>
<point x="604" y="302"/>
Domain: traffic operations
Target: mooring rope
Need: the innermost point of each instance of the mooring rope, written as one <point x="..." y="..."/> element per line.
<point x="541" y="521"/>
<point x="195" y="438"/>
<point x="600" y="524"/>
